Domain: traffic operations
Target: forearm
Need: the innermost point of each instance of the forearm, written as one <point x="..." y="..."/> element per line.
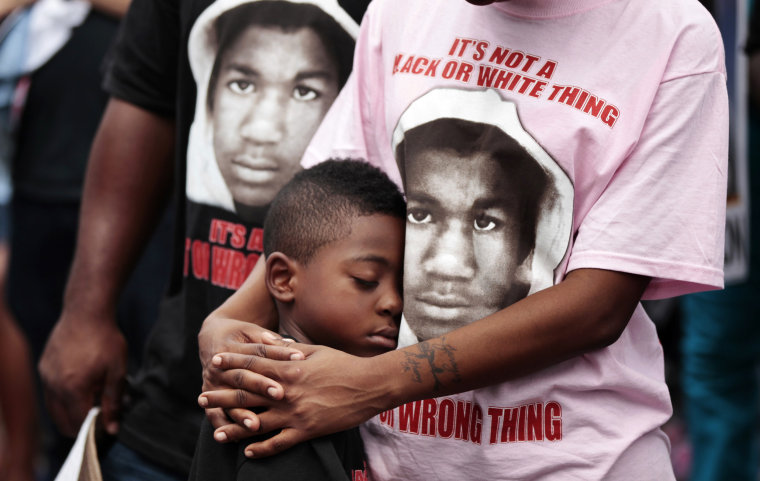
<point x="128" y="182"/>
<point x="230" y="324"/>
<point x="331" y="390"/>
<point x="251" y="303"/>
<point x="585" y="312"/>
<point x="8" y="6"/>
<point x="17" y="396"/>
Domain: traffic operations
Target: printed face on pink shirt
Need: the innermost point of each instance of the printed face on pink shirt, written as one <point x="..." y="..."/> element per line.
<point x="472" y="209"/>
<point x="461" y="242"/>
<point x="272" y="91"/>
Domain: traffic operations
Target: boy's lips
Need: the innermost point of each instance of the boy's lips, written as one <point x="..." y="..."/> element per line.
<point x="386" y="337"/>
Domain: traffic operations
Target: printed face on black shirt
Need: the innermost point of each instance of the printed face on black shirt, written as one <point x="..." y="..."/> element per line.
<point x="273" y="89"/>
<point x="462" y="240"/>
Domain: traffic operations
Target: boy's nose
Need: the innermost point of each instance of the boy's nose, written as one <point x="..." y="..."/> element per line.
<point x="391" y="303"/>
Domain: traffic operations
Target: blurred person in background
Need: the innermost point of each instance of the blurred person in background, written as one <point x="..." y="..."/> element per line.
<point x="18" y="412"/>
<point x="154" y="142"/>
<point x="720" y="344"/>
<point x="53" y="55"/>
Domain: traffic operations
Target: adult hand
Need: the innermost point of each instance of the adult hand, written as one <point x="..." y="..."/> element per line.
<point x="84" y="364"/>
<point x="327" y="392"/>
<point x="223" y="334"/>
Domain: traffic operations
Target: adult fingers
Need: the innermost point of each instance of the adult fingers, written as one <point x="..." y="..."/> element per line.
<point x="67" y="404"/>
<point x="278" y="443"/>
<point x="67" y="413"/>
<point x="231" y="399"/>
<point x="233" y="433"/>
<point x="245" y="418"/>
<point x="279" y="350"/>
<point x="228" y="431"/>
<point x="242" y="378"/>
<point x="217" y="417"/>
<point x="111" y="399"/>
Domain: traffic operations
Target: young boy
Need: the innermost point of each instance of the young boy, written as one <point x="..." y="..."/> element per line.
<point x="334" y="244"/>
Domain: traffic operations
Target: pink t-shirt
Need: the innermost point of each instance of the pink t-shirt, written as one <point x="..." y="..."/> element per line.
<point x="534" y="137"/>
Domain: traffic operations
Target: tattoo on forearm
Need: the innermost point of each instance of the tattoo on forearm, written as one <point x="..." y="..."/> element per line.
<point x="439" y="357"/>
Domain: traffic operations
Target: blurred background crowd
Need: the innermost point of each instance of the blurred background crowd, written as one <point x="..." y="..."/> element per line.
<point x="53" y="54"/>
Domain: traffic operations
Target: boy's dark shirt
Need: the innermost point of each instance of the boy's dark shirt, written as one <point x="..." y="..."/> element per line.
<point x="337" y="457"/>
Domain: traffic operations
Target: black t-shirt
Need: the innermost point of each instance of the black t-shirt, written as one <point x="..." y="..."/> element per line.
<point x="214" y="247"/>
<point x="62" y="111"/>
<point x="337" y="457"/>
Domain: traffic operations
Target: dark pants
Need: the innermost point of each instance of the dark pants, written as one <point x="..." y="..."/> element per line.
<point x="721" y="355"/>
<point x="43" y="236"/>
<point x="120" y="463"/>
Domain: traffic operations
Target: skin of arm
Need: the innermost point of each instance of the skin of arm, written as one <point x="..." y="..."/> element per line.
<point x="17" y="396"/>
<point x="128" y="183"/>
<point x="115" y="8"/>
<point x="330" y="390"/>
<point x="241" y="324"/>
<point x="7" y="6"/>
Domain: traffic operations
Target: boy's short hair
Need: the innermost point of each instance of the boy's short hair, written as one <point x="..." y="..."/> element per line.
<point x="288" y="17"/>
<point x="467" y="138"/>
<point x="315" y="208"/>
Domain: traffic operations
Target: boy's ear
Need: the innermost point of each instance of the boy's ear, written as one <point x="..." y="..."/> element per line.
<point x="280" y="276"/>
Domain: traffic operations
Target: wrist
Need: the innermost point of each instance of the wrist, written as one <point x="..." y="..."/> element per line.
<point x="386" y="378"/>
<point x="88" y="300"/>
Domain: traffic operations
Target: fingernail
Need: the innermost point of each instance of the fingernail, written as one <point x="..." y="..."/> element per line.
<point x="202" y="401"/>
<point x="270" y="336"/>
<point x="297" y="356"/>
<point x="248" y="423"/>
<point x="216" y="360"/>
<point x="248" y="454"/>
<point x="272" y="391"/>
<point x="221" y="437"/>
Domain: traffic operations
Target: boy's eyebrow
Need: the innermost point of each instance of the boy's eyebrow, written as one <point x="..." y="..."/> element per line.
<point x="371" y="258"/>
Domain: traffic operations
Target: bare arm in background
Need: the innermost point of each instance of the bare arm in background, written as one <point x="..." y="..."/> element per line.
<point x="18" y="403"/>
<point x="116" y="8"/>
<point x="128" y="183"/>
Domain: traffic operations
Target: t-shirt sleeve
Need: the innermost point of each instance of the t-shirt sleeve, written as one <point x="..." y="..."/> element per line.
<point x="354" y="127"/>
<point x="663" y="213"/>
<point x="143" y="65"/>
